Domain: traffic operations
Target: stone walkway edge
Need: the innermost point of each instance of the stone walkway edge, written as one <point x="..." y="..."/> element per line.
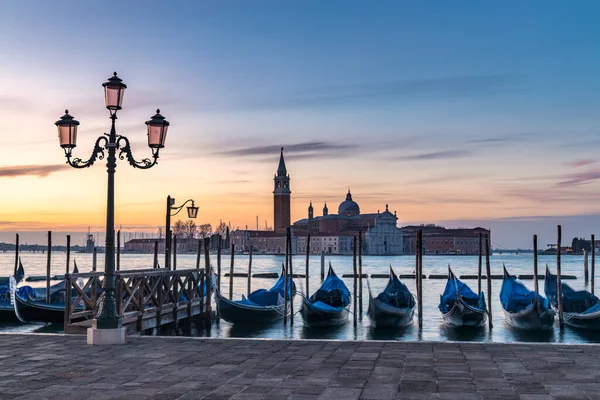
<point x="54" y="366"/>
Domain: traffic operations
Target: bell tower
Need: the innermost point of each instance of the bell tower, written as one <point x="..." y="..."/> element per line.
<point x="281" y="200"/>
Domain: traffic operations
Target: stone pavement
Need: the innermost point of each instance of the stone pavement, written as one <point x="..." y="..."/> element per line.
<point x="64" y="367"/>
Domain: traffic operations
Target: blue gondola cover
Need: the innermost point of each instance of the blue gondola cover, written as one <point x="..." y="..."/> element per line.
<point x="516" y="297"/>
<point x="455" y="287"/>
<point x="396" y="294"/>
<point x="332" y="293"/>
<point x="574" y="301"/>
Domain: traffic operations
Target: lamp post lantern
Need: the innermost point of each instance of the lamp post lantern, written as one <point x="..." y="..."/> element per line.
<point x="108" y="145"/>
<point x="192" y="211"/>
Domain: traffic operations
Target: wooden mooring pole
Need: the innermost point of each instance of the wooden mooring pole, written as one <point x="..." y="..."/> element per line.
<point x="291" y="276"/>
<point x="479" y="263"/>
<point x="355" y="274"/>
<point x="119" y="250"/>
<point x="231" y="271"/>
<point x="561" y="322"/>
<point x="174" y="253"/>
<point x="420" y="279"/>
<point x="95" y="259"/>
<point x="198" y="254"/>
<point x="418" y="249"/>
<point x="250" y="272"/>
<point x="207" y="279"/>
<point x="593" y="265"/>
<point x="219" y="268"/>
<point x="360" y="275"/>
<point x="68" y="253"/>
<point x="535" y="267"/>
<point x="48" y="262"/>
<point x="322" y="265"/>
<point x="285" y="282"/>
<point x="489" y="280"/>
<point x="155" y="262"/>
<point x="586" y="275"/>
<point x="16" y="254"/>
<point x="307" y="269"/>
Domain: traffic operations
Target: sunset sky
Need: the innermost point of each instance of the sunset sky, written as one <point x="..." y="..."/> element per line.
<point x="459" y="113"/>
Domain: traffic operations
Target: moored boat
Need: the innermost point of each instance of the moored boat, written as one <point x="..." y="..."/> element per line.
<point x="581" y="309"/>
<point x="260" y="307"/>
<point x="460" y="306"/>
<point x="523" y="308"/>
<point x="7" y="309"/>
<point x="392" y="308"/>
<point x="328" y="306"/>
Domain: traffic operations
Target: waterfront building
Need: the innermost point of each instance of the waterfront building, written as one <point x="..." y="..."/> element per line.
<point x="440" y="240"/>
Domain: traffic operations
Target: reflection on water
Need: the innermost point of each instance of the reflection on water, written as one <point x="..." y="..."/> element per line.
<point x="466" y="334"/>
<point x="433" y="328"/>
<point x="405" y="333"/>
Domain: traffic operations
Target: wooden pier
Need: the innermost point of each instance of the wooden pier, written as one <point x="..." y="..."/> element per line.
<point x="148" y="298"/>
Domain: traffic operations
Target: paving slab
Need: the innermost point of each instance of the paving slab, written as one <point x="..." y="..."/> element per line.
<point x="35" y="366"/>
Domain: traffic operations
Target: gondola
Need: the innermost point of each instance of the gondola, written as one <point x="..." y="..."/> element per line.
<point x="523" y="309"/>
<point x="30" y="300"/>
<point x="260" y="307"/>
<point x="460" y="306"/>
<point x="7" y="309"/>
<point x="328" y="306"/>
<point x="392" y="308"/>
<point x="581" y="309"/>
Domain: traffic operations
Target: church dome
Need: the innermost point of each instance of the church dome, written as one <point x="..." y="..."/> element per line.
<point x="348" y="207"/>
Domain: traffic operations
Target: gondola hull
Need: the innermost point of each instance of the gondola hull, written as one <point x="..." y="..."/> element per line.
<point x="534" y="317"/>
<point x="463" y="315"/>
<point x="314" y="317"/>
<point x="237" y="313"/>
<point x="385" y="316"/>
<point x="580" y="309"/>
<point x="589" y="321"/>
<point x="37" y="311"/>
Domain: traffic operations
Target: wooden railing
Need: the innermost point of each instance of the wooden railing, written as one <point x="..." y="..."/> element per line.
<point x="145" y="298"/>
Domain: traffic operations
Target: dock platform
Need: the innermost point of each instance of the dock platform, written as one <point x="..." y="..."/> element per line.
<point x="37" y="366"/>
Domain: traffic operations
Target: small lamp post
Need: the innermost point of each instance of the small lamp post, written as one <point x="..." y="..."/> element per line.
<point x="192" y="211"/>
<point x="114" y="89"/>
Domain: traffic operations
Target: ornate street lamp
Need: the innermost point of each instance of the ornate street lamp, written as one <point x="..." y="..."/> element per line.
<point x="192" y="211"/>
<point x="157" y="126"/>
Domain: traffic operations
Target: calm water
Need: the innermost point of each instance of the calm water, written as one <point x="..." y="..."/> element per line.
<point x="433" y="328"/>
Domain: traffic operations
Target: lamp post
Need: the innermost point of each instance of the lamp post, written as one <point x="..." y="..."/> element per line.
<point x="192" y="211"/>
<point x="114" y="88"/>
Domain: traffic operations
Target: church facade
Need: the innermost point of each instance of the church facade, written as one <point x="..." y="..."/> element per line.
<point x="329" y="233"/>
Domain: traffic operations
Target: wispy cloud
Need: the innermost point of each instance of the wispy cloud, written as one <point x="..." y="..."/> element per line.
<point x="497" y="140"/>
<point x="581" y="163"/>
<point x="32" y="170"/>
<point x="581" y="178"/>
<point x="301" y="150"/>
<point x="436" y="155"/>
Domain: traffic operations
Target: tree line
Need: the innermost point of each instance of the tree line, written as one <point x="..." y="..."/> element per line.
<point x="189" y="230"/>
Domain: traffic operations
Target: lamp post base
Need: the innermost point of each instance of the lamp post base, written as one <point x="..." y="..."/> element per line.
<point x="99" y="337"/>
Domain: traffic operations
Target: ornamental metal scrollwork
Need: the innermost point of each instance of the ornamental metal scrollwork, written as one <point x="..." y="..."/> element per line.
<point x="125" y="153"/>
<point x="97" y="154"/>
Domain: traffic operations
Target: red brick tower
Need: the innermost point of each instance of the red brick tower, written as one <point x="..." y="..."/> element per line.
<point x="281" y="200"/>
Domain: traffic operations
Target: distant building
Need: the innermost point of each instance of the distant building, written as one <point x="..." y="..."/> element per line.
<point x="440" y="240"/>
<point x="89" y="243"/>
<point x="183" y="245"/>
<point x="578" y="245"/>
<point x="330" y="233"/>
<point x="380" y="232"/>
